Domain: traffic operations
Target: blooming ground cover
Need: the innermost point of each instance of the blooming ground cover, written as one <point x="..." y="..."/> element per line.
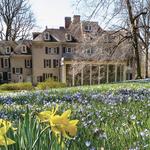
<point x="109" y="117"/>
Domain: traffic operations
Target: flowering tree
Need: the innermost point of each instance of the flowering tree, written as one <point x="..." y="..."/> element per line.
<point x="125" y="15"/>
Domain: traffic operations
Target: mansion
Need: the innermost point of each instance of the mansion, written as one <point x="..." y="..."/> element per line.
<point x="80" y="53"/>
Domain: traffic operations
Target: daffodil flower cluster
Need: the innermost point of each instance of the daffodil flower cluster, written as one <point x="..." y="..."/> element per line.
<point x="4" y="127"/>
<point x="60" y="124"/>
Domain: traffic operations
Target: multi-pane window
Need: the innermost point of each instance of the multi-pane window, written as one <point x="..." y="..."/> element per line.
<point x="28" y="63"/>
<point x="46" y="36"/>
<point x="47" y="63"/>
<point x="24" y="49"/>
<point x="67" y="50"/>
<point x="55" y="63"/>
<point x="8" y="50"/>
<point x="68" y="37"/>
<point x="47" y="76"/>
<point x="17" y="70"/>
<point x="51" y="50"/>
<point x="88" y="28"/>
<point x="6" y="62"/>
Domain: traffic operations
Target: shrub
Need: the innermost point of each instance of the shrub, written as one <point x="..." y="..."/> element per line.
<point x="50" y="83"/>
<point x="16" y="86"/>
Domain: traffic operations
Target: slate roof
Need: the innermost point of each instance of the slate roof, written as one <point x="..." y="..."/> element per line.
<point x="57" y="35"/>
<point x="5" y="44"/>
<point x="18" y="48"/>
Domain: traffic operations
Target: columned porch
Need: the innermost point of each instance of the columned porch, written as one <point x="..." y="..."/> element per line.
<point x="87" y="73"/>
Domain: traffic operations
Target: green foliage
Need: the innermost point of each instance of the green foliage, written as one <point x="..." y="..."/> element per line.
<point x="50" y="83"/>
<point x="16" y="86"/>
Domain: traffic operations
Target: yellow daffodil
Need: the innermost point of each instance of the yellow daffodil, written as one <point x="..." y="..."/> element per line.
<point x="4" y="127"/>
<point x="62" y="125"/>
<point x="44" y="116"/>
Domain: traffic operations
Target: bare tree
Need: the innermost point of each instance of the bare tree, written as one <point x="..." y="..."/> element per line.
<point x="16" y="19"/>
<point x="126" y="13"/>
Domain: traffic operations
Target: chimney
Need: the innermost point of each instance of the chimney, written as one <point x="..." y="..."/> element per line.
<point x="67" y="22"/>
<point x="61" y="28"/>
<point x="76" y="19"/>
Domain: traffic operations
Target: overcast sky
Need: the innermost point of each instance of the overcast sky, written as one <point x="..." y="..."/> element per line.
<point x="51" y="13"/>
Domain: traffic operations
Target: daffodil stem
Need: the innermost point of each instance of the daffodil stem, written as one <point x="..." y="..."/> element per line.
<point x="39" y="136"/>
<point x="6" y="147"/>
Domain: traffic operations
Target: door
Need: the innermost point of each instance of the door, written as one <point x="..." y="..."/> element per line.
<point x="5" y="76"/>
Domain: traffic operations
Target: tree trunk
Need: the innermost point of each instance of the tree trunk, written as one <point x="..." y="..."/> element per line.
<point x="135" y="39"/>
<point x="146" y="63"/>
<point x="8" y="32"/>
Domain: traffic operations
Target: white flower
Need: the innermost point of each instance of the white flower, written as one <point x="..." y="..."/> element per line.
<point x="133" y="117"/>
<point x="87" y="143"/>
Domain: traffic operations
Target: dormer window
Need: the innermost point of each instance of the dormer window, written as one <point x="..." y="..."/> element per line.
<point x="68" y="37"/>
<point x="88" y="28"/>
<point x="24" y="49"/>
<point x="8" y="50"/>
<point x="46" y="36"/>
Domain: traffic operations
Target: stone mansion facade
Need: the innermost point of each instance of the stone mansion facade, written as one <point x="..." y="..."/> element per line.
<point x="67" y="55"/>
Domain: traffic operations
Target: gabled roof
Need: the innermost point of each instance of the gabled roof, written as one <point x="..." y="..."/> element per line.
<point x="5" y="44"/>
<point x="57" y="35"/>
<point x="21" y="43"/>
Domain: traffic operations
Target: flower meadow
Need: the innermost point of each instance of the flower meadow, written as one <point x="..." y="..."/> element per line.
<point x="104" y="117"/>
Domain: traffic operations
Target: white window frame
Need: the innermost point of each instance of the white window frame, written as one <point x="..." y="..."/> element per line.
<point x="28" y="63"/>
<point x="46" y="36"/>
<point x="89" y="28"/>
<point x="6" y="60"/>
<point x="8" y="50"/>
<point x="89" y="51"/>
<point x="68" y="50"/>
<point x="68" y="37"/>
<point x="55" y="50"/>
<point x="47" y="63"/>
<point x="24" y="49"/>
<point x="17" y="71"/>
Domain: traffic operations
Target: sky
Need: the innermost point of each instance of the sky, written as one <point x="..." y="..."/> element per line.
<point x="51" y="13"/>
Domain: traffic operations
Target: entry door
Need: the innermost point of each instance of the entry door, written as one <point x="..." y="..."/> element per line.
<point x="5" y="76"/>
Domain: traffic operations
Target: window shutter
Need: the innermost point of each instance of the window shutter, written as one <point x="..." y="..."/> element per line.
<point x="54" y="63"/>
<point x="13" y="70"/>
<point x="2" y="63"/>
<point x="57" y="50"/>
<point x="57" y="63"/>
<point x="31" y="63"/>
<point x="49" y="63"/>
<point x="44" y="63"/>
<point x="25" y="61"/>
<point x="46" y="50"/>
<point x="21" y="71"/>
<point x="44" y="76"/>
<point x="64" y="49"/>
<point x="11" y="49"/>
<point x="9" y="62"/>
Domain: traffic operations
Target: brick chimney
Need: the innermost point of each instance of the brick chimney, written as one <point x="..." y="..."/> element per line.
<point x="76" y="19"/>
<point x="67" y="22"/>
